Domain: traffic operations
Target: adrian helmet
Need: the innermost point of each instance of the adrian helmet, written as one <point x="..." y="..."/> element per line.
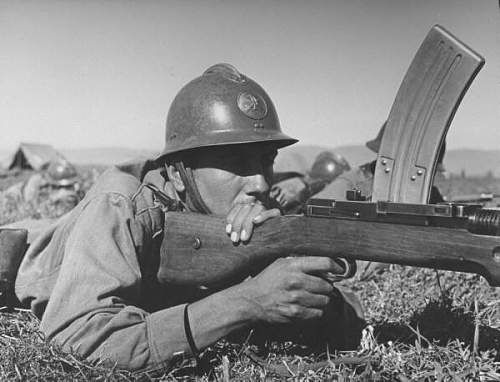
<point x="221" y="107"/>
<point x="327" y="166"/>
<point x="62" y="173"/>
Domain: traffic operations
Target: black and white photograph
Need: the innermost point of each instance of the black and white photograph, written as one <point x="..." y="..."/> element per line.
<point x="234" y="190"/>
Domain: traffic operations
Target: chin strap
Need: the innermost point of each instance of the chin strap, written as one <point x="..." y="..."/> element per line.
<point x="192" y="192"/>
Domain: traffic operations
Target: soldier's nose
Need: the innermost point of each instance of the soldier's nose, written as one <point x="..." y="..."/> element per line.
<point x="256" y="185"/>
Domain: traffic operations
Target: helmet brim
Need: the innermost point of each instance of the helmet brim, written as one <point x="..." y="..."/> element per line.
<point x="224" y="138"/>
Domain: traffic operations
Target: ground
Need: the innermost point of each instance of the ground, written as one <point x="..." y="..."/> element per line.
<point x="423" y="325"/>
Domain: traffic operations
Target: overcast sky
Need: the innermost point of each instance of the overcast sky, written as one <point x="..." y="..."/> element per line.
<point x="103" y="73"/>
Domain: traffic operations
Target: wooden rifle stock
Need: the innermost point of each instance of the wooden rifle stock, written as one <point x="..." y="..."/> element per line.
<point x="196" y="251"/>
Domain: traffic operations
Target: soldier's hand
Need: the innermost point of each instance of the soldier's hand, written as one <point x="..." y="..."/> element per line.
<point x="289" y="191"/>
<point x="290" y="289"/>
<point x="278" y="195"/>
<point x="242" y="218"/>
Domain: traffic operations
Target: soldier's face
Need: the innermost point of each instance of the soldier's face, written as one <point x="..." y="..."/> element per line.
<point x="229" y="175"/>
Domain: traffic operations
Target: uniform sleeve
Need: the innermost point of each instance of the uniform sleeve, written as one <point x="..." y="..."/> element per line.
<point x="93" y="308"/>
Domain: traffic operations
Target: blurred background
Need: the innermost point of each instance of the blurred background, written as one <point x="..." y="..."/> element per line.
<point x="95" y="79"/>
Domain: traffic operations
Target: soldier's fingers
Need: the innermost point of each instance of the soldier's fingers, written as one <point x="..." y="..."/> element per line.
<point x="238" y="221"/>
<point x="316" y="285"/>
<point x="275" y="191"/>
<point x="313" y="313"/>
<point x="299" y="312"/>
<point x="265" y="215"/>
<point x="282" y="199"/>
<point x="248" y="222"/>
<point x="230" y="217"/>
<point x="317" y="265"/>
<point x="309" y="300"/>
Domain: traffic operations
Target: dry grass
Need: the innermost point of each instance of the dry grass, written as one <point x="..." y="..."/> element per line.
<point x="423" y="326"/>
<point x="26" y="356"/>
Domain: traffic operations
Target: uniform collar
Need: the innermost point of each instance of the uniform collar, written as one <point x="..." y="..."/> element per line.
<point x="157" y="179"/>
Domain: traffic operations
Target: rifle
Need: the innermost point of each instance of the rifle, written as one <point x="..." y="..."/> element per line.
<point x="395" y="226"/>
<point x="196" y="251"/>
<point x="475" y="198"/>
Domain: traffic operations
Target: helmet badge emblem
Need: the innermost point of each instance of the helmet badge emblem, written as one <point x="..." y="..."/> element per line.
<point x="252" y="105"/>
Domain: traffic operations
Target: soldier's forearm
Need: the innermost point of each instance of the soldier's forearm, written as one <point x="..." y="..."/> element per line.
<point x="219" y="315"/>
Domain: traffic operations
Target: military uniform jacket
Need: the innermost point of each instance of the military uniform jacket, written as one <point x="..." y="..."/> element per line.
<point x="91" y="277"/>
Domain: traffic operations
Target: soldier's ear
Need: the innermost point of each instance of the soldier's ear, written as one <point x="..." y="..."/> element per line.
<point x="175" y="178"/>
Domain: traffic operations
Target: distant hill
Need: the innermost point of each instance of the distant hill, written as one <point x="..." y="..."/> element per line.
<point x="295" y="158"/>
<point x="473" y="162"/>
<point x="106" y="155"/>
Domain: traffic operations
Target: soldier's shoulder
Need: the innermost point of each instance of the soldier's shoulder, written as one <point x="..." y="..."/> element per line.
<point x="115" y="181"/>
